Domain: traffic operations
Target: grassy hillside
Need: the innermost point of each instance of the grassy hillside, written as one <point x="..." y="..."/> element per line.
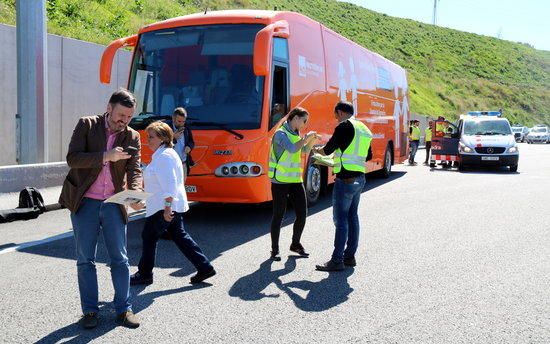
<point x="450" y="72"/>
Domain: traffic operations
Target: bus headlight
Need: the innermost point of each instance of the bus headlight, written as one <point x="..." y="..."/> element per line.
<point x="244" y="169"/>
<point x="513" y="149"/>
<point x="239" y="169"/>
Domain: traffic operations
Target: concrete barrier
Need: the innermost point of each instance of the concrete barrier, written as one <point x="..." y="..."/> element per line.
<point x="16" y="177"/>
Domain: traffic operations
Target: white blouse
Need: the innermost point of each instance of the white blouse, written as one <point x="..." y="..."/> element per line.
<point x="163" y="178"/>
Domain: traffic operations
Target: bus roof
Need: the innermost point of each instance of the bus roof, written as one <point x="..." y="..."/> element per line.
<point x="245" y="17"/>
<point x="214" y="17"/>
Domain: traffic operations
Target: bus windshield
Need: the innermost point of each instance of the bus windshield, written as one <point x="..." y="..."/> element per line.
<point x="205" y="69"/>
<point x="498" y="127"/>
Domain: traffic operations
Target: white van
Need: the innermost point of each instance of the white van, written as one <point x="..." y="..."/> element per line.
<point x="487" y="140"/>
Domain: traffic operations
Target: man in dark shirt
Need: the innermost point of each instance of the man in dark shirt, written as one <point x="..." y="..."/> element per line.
<point x="349" y="184"/>
<point x="341" y="138"/>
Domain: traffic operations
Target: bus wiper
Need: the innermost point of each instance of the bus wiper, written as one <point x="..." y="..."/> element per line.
<point x="143" y="117"/>
<point x="218" y="125"/>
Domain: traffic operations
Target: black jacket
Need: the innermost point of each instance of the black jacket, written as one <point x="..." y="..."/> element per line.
<point x="189" y="142"/>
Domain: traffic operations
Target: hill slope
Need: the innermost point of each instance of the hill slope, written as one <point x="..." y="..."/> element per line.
<point x="450" y="72"/>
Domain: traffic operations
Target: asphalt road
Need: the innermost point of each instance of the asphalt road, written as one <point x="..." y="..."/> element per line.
<point x="445" y="257"/>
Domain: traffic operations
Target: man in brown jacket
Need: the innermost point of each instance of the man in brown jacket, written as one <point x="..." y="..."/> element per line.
<point x="104" y="159"/>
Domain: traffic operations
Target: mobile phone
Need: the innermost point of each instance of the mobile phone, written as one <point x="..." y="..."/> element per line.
<point x="130" y="150"/>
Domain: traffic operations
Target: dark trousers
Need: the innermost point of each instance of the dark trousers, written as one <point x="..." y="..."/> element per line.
<point x="155" y="225"/>
<point x="281" y="194"/>
<point x="413" y="145"/>
<point x="428" y="147"/>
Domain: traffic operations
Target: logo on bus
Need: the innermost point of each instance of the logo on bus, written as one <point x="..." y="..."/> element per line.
<point x="306" y="67"/>
<point x="223" y="152"/>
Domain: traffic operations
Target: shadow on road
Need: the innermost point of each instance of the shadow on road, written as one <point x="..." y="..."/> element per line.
<point x="142" y="301"/>
<point x="321" y="296"/>
<point x="500" y="170"/>
<point x="217" y="228"/>
<point x="250" y="287"/>
<point x="73" y="333"/>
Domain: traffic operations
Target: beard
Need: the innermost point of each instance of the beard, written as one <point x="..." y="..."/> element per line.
<point x="116" y="126"/>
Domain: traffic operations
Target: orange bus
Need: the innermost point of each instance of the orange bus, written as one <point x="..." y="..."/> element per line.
<point x="238" y="73"/>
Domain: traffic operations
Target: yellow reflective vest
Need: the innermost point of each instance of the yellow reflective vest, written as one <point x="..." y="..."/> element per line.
<point x="354" y="156"/>
<point x="415" y="135"/>
<point x="288" y="169"/>
<point x="428" y="133"/>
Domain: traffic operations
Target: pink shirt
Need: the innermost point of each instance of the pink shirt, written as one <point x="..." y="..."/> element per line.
<point x="103" y="187"/>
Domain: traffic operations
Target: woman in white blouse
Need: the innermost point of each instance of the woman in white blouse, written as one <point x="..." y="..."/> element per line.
<point x="163" y="178"/>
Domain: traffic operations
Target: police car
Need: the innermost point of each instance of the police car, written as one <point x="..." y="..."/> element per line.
<point x="487" y="139"/>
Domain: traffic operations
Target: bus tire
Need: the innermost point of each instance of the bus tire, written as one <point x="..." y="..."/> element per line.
<point x="313" y="182"/>
<point x="385" y="172"/>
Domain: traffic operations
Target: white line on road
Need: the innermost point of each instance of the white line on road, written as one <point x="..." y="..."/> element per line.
<point x="36" y="242"/>
<point x="133" y="217"/>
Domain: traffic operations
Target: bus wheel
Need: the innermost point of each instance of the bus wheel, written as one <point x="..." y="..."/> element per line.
<point x="386" y="170"/>
<point x="313" y="183"/>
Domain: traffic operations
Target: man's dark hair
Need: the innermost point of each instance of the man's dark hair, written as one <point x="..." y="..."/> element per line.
<point x="123" y="97"/>
<point x="345" y="107"/>
<point x="179" y="111"/>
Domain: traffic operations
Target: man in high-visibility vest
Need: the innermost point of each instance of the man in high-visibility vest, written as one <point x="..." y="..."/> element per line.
<point x="428" y="139"/>
<point x="414" y="140"/>
<point x="351" y="146"/>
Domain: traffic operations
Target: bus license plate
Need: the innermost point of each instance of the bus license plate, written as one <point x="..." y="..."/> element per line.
<point x="190" y="188"/>
<point x="490" y="158"/>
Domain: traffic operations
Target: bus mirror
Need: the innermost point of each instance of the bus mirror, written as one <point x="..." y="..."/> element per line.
<point x="263" y="45"/>
<point x="109" y="54"/>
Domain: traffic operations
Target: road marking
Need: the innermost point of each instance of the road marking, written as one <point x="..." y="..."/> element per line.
<point x="134" y="217"/>
<point x="36" y="242"/>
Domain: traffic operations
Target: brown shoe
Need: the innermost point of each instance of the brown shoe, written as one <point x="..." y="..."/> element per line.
<point x="89" y="320"/>
<point x="128" y="319"/>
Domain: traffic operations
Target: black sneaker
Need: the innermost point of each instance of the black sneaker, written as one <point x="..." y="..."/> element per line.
<point x="138" y="278"/>
<point x="201" y="276"/>
<point x="330" y="266"/>
<point x="350" y="261"/>
<point x="298" y="248"/>
<point x="275" y="256"/>
<point x="89" y="320"/>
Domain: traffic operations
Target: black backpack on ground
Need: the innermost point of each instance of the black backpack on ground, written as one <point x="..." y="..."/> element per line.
<point x="31" y="204"/>
<point x="29" y="197"/>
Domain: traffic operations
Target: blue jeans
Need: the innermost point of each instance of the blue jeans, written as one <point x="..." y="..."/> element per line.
<point x="92" y="217"/>
<point x="413" y="149"/>
<point x="345" y="201"/>
<point x="154" y="226"/>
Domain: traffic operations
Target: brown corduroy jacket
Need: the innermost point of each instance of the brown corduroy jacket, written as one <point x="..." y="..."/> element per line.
<point x="85" y="160"/>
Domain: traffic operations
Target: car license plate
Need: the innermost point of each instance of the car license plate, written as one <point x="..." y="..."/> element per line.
<point x="190" y="188"/>
<point x="490" y="158"/>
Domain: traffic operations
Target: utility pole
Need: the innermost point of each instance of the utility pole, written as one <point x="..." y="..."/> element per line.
<point x="435" y="12"/>
<point x="32" y="80"/>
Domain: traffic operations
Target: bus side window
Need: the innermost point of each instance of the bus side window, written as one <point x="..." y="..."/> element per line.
<point x="278" y="99"/>
<point x="279" y="91"/>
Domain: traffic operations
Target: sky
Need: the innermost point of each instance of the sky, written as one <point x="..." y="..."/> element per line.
<point x="526" y="21"/>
